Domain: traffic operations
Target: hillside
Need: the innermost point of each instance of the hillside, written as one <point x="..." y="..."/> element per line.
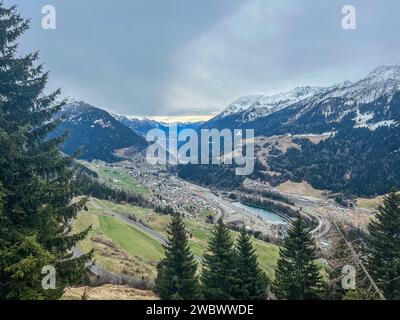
<point x="358" y="161"/>
<point x="125" y="248"/>
<point x="108" y="292"/>
<point x="359" y="122"/>
<point x="95" y="132"/>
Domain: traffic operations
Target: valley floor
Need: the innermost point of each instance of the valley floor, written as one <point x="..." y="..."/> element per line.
<point x="127" y="240"/>
<point x="128" y="251"/>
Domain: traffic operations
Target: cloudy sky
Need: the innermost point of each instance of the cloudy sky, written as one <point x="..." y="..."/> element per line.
<point x="194" y="57"/>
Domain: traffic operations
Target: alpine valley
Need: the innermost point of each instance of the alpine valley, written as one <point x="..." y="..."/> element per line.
<point x="343" y="138"/>
<point x="330" y="153"/>
<point x="94" y="205"/>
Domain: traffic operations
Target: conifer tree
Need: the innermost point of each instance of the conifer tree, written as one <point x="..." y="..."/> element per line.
<point x="35" y="226"/>
<point x="176" y="278"/>
<point x="2" y="196"/>
<point x="383" y="247"/>
<point x="251" y="281"/>
<point x="218" y="278"/>
<point x="297" y="275"/>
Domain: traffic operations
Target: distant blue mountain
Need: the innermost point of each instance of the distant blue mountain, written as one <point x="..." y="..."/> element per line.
<point x="142" y="126"/>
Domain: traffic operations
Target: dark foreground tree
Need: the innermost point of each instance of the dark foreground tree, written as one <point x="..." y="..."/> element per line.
<point x="2" y="196"/>
<point x="218" y="278"/>
<point x="383" y="247"/>
<point x="176" y="278"/>
<point x="297" y="275"/>
<point x="37" y="210"/>
<point x="252" y="283"/>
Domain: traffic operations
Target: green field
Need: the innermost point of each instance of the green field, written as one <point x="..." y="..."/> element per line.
<point x="143" y="215"/>
<point x="138" y="244"/>
<point x="118" y="247"/>
<point x="120" y="179"/>
<point x="131" y="239"/>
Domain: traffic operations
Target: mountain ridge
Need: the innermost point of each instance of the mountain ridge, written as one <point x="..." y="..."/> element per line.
<point x="142" y="126"/>
<point x="313" y="109"/>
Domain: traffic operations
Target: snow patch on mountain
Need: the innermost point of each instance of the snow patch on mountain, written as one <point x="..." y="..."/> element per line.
<point x="74" y="109"/>
<point x="362" y="119"/>
<point x="102" y="123"/>
<point x="385" y="123"/>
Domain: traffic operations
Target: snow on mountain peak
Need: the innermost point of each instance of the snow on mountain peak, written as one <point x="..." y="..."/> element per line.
<point x="75" y="108"/>
<point x="382" y="81"/>
<point x="386" y="72"/>
<point x="262" y="105"/>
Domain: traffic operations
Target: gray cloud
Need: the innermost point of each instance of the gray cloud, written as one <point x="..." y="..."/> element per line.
<point x="192" y="57"/>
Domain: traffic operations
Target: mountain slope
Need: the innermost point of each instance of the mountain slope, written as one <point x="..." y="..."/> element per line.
<point x="355" y="161"/>
<point x="253" y="107"/>
<point x="96" y="132"/>
<point x="319" y="109"/>
<point x="361" y="155"/>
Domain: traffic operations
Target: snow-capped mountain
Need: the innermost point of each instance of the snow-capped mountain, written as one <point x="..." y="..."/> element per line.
<point x="255" y="106"/>
<point x="370" y="102"/>
<point x="142" y="126"/>
<point x="96" y="132"/>
<point x="384" y="80"/>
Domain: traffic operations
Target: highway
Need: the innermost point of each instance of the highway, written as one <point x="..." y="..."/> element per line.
<point x="226" y="208"/>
